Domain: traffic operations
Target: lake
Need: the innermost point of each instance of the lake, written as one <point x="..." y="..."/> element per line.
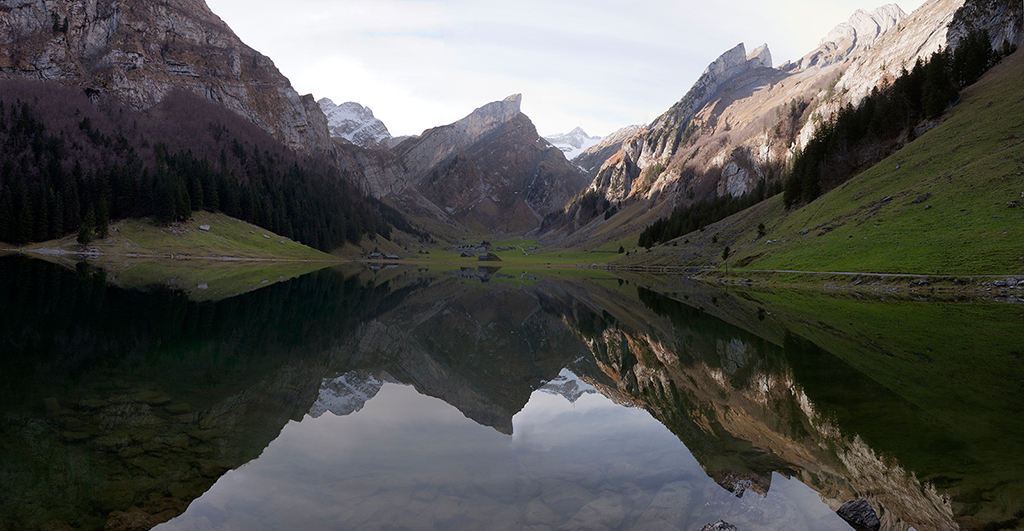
<point x="489" y="398"/>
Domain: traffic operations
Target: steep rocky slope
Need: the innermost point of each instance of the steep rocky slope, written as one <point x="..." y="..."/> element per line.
<point x="1003" y="19"/>
<point x="138" y="52"/>
<point x="948" y="202"/>
<point x="592" y="158"/>
<point x="488" y="172"/>
<point x="861" y="31"/>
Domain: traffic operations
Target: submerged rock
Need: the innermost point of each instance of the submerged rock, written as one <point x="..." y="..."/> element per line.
<point x="860" y="515"/>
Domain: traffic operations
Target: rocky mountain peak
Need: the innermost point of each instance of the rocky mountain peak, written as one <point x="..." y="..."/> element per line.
<point x="490" y="115"/>
<point x="761" y="56"/>
<point x="727" y="66"/>
<point x="864" y="27"/>
<point x="355" y="123"/>
<point x="568" y="386"/>
<point x="917" y="37"/>
<point x="439" y="143"/>
<point x="346" y="394"/>
<point x="862" y="30"/>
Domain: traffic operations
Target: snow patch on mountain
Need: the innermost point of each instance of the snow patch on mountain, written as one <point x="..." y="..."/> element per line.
<point x="355" y="123"/>
<point x="568" y="385"/>
<point x="573" y="143"/>
<point x="346" y="394"/>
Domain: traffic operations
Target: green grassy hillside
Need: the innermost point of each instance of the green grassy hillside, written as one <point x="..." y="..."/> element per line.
<point x="227" y="238"/>
<point x="230" y="258"/>
<point x="947" y="203"/>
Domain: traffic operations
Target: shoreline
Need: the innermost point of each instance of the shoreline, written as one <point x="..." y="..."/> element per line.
<point x="95" y="253"/>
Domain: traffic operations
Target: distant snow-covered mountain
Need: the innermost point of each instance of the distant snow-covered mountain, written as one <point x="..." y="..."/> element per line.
<point x="573" y="143"/>
<point x="355" y="123"/>
<point x="568" y="385"/>
<point x="346" y="394"/>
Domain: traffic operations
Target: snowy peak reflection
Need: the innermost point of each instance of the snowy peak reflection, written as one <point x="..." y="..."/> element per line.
<point x="569" y="386"/>
<point x="347" y="393"/>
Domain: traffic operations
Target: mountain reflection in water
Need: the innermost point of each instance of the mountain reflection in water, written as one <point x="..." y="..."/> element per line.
<point x="411" y="462"/>
<point x="414" y="399"/>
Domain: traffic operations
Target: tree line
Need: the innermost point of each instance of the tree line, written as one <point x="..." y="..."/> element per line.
<point x="832" y="156"/>
<point x="47" y="192"/>
<point x="696" y="216"/>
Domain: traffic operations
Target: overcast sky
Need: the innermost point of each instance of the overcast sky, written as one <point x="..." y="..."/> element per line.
<point x="599" y="64"/>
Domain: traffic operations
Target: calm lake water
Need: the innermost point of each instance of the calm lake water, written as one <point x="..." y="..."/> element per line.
<point x="489" y="399"/>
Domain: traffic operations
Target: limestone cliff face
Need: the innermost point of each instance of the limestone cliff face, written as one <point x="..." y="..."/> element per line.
<point x="735" y="75"/>
<point x="138" y="52"/>
<point x="857" y="34"/>
<point x="917" y="37"/>
<point x="427" y="150"/>
<point x="1002" y="19"/>
<point x="670" y="127"/>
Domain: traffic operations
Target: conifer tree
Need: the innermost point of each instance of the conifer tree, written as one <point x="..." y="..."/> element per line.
<point x="103" y="222"/>
<point x="84" y="235"/>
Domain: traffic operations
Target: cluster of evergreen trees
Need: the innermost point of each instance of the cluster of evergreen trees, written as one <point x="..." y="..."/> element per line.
<point x="833" y="155"/>
<point x="46" y="193"/>
<point x="686" y="219"/>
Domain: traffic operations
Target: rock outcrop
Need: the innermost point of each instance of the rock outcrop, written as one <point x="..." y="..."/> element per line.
<point x="735" y="74"/>
<point x="138" y="52"/>
<point x="592" y="158"/>
<point x="356" y="124"/>
<point x="1002" y="19"/>
<point x="917" y="37"/>
<point x="857" y="34"/>
<point x="722" y="70"/>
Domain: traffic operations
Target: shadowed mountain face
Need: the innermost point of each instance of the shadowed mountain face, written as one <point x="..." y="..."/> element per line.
<point x="489" y="171"/>
<point x="133" y="403"/>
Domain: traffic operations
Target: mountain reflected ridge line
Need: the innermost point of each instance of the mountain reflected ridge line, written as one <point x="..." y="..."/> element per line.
<point x="163" y="404"/>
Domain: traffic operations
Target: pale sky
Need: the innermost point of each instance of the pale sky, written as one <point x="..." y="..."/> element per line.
<point x="599" y="64"/>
